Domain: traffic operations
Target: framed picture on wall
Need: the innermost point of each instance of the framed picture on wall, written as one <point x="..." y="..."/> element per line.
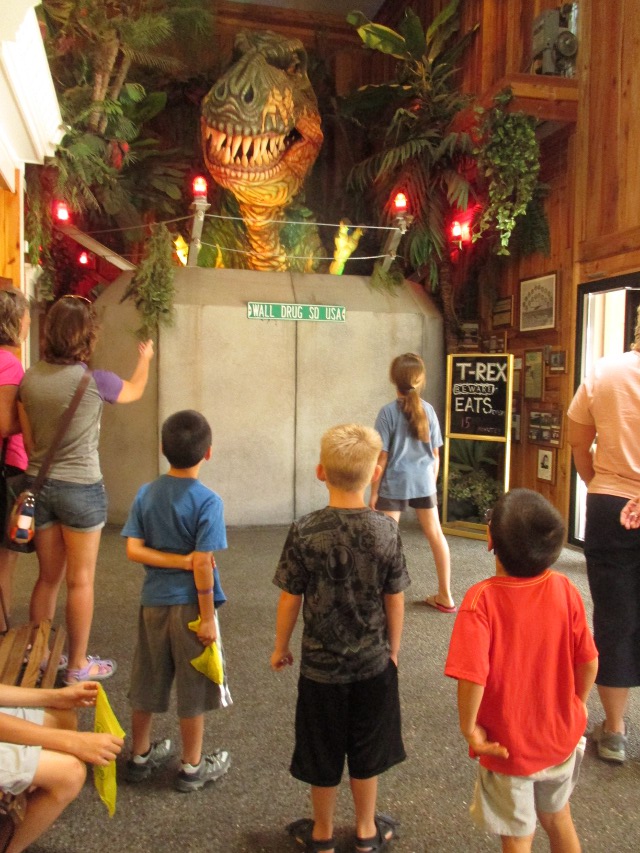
<point x="502" y="312"/>
<point x="546" y="465"/>
<point x="558" y="361"/>
<point x="538" y="303"/>
<point x="545" y="427"/>
<point x="533" y="374"/>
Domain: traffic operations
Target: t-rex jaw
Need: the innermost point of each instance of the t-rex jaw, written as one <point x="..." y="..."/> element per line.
<point x="254" y="158"/>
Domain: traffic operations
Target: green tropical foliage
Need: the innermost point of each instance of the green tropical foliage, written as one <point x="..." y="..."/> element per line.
<point x="111" y="168"/>
<point x="508" y="158"/>
<point x="152" y="289"/>
<point x="420" y="151"/>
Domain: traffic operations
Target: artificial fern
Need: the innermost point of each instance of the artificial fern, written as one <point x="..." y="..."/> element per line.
<point x="152" y="286"/>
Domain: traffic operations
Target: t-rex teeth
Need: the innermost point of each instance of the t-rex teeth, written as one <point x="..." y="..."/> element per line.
<point x="235" y="145"/>
<point x="246" y="145"/>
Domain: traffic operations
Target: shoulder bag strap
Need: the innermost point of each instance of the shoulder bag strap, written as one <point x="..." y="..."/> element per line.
<point x="65" y="420"/>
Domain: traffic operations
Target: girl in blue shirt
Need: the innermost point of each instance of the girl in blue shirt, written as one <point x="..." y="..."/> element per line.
<point x="410" y="460"/>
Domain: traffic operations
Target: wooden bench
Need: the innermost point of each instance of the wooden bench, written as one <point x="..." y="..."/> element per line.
<point x="22" y="651"/>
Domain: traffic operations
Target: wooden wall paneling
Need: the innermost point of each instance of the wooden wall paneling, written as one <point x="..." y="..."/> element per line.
<point x="628" y="138"/>
<point x="10" y="233"/>
<point x="609" y="192"/>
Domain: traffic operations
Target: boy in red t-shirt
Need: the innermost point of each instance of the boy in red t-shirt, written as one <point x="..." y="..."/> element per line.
<point x="525" y="661"/>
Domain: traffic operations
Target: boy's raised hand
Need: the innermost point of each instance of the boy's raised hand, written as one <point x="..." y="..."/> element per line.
<point x="280" y="659"/>
<point x="479" y="744"/>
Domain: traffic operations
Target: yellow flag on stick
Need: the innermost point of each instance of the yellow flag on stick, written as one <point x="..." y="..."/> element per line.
<point x="105" y="777"/>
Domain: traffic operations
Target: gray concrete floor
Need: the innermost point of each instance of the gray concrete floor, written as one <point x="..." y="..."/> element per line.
<point x="248" y="809"/>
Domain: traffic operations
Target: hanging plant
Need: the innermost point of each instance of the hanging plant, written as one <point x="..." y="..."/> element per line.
<point x="508" y="164"/>
<point x="152" y="289"/>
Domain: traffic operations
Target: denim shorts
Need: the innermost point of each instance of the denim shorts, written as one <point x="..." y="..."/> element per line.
<point x="79" y="506"/>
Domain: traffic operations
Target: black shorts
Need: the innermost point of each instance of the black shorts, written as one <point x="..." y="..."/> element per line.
<point x="613" y="568"/>
<point x="360" y="720"/>
<point x="395" y="504"/>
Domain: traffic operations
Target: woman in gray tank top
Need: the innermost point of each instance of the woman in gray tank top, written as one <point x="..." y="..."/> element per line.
<point x="71" y="508"/>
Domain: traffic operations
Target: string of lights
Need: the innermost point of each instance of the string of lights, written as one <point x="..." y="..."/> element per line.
<point x="294" y="222"/>
<point x="290" y="257"/>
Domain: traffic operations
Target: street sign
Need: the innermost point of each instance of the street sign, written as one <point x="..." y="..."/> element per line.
<point x="293" y="311"/>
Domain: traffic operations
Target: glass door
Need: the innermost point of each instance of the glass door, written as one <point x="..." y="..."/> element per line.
<point x="607" y="315"/>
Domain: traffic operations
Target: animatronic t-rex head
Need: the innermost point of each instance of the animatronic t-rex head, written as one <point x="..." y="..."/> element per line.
<point x="260" y="123"/>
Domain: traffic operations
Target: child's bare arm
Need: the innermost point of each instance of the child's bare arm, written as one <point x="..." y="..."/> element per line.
<point x="469" y="698"/>
<point x="286" y="618"/>
<point x="138" y="552"/>
<point x="203" y="577"/>
<point x="394" y="609"/>
<point x="585" y="676"/>
<point x="81" y="695"/>
<point x="97" y="748"/>
<point x="382" y="462"/>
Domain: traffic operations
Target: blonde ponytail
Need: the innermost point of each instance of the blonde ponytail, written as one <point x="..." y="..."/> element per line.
<point x="408" y="375"/>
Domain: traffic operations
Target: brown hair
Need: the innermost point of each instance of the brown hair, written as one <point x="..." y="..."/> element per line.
<point x="407" y="373"/>
<point x="13" y="306"/>
<point x="637" y="332"/>
<point x="349" y="454"/>
<point x="70" y="331"/>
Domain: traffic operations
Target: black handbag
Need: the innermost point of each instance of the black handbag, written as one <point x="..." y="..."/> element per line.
<point x="21" y="526"/>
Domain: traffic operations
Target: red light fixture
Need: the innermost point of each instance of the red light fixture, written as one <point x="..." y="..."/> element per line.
<point x="199" y="187"/>
<point x="400" y="203"/>
<point x="460" y="232"/>
<point x="83" y="258"/>
<point x="61" y="212"/>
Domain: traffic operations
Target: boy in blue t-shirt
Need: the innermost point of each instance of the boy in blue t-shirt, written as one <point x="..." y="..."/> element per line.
<point x="173" y="528"/>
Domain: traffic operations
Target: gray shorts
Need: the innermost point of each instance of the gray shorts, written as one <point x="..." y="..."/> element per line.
<point x="507" y="805"/>
<point x="396" y="504"/>
<point x="165" y="649"/>
<point x="18" y="764"/>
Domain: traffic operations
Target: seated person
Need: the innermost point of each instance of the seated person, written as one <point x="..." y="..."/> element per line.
<point x="42" y="753"/>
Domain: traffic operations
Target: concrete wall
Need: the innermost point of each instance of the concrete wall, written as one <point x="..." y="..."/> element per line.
<point x="268" y="387"/>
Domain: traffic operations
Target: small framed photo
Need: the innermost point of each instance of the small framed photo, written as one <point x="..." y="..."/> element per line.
<point x="517" y="381"/>
<point x="515" y="426"/>
<point x="546" y="465"/>
<point x="558" y="361"/>
<point x="533" y="374"/>
<point x="502" y="314"/>
<point x="538" y="303"/>
<point x="545" y="427"/>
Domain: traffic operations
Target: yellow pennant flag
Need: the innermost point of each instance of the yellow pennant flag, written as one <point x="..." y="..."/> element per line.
<point x="105" y="777"/>
<point x="209" y="663"/>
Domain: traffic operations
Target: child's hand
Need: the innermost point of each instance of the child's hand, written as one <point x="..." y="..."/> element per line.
<point x="83" y="695"/>
<point x="95" y="747"/>
<point x="145" y="349"/>
<point x="630" y="515"/>
<point x="280" y="659"/>
<point x="207" y="633"/>
<point x="479" y="744"/>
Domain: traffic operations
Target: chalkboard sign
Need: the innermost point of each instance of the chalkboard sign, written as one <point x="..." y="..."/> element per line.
<point x="479" y="392"/>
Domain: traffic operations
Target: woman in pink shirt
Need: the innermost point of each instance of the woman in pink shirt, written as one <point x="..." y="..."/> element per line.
<point x="14" y="327"/>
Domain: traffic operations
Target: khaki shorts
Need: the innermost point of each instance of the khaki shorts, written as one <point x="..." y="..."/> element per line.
<point x="163" y="655"/>
<point x="18" y="764"/>
<point x="508" y="805"/>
